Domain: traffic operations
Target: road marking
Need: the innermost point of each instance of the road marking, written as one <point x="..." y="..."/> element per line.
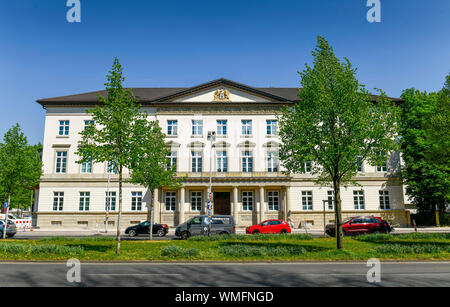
<point x="105" y="274"/>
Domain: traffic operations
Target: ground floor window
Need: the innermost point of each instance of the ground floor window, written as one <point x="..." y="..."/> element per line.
<point x="273" y="200"/>
<point x="307" y="203"/>
<point x="247" y="201"/>
<point x="171" y="197"/>
<point x="136" y="201"/>
<point x="196" y="201"/>
<point x="58" y="201"/>
<point x="84" y="201"/>
<point x="330" y="200"/>
<point x="384" y="200"/>
<point x="358" y="200"/>
<point x="110" y="201"/>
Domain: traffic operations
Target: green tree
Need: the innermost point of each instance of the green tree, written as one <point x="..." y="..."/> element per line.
<point x="424" y="146"/>
<point x="20" y="168"/>
<point x="151" y="169"/>
<point x="335" y="125"/>
<point x="115" y="136"/>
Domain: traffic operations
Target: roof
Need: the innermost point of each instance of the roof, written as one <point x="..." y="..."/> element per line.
<point x="157" y="95"/>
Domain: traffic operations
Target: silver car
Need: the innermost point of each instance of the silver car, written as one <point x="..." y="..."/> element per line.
<point x="11" y="230"/>
<point x="198" y="226"/>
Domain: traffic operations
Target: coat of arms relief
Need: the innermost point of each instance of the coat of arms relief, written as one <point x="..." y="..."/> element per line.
<point x="222" y="95"/>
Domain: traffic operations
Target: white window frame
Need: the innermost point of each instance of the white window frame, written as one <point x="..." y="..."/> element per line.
<point x="247" y="201"/>
<point x="246" y="161"/>
<point x="307" y="201"/>
<point x="112" y="198"/>
<point x="62" y="161"/>
<point x="358" y="200"/>
<point x="197" y="127"/>
<point x="222" y="161"/>
<point x="247" y="127"/>
<point x="196" y="156"/>
<point x="136" y="201"/>
<point x="86" y="167"/>
<point x="222" y="127"/>
<point x="196" y="201"/>
<point x="173" y="159"/>
<point x="271" y="127"/>
<point x="330" y="196"/>
<point x="58" y="201"/>
<point x="172" y="197"/>
<point x="271" y="203"/>
<point x="172" y="127"/>
<point x="64" y="127"/>
<point x="385" y="199"/>
<point x="272" y="160"/>
<point x="88" y="122"/>
<point x="84" y="201"/>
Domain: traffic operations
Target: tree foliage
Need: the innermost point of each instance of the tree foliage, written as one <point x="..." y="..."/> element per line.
<point x="335" y="123"/>
<point x="425" y="149"/>
<point x="20" y="168"/>
<point x="116" y="135"/>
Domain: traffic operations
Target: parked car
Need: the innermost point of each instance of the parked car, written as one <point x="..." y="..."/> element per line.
<point x="269" y="226"/>
<point x="361" y="225"/>
<point x="11" y="229"/>
<point x="143" y="228"/>
<point x="198" y="226"/>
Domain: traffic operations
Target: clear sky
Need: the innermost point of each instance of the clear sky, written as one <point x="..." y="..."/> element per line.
<point x="183" y="43"/>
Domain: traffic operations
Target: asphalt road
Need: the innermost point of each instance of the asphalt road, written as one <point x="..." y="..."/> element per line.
<point x="407" y="274"/>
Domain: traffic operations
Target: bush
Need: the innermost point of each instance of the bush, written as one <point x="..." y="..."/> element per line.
<point x="177" y="251"/>
<point x="242" y="250"/>
<point x="411" y="249"/>
<point x="258" y="237"/>
<point x="381" y="237"/>
<point x="28" y="249"/>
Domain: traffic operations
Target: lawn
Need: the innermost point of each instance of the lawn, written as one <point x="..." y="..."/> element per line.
<point x="291" y="247"/>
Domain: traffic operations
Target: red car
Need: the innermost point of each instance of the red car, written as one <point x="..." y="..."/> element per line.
<point x="269" y="226"/>
<point x="361" y="225"/>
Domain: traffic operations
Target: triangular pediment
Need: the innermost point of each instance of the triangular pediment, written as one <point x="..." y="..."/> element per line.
<point x="221" y="91"/>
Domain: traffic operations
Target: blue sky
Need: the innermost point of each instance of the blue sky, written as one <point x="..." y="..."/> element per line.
<point x="184" y="43"/>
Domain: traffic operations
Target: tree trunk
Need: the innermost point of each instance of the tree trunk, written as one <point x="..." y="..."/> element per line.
<point x="6" y="216"/>
<point x="338" y="213"/>
<point x="152" y="198"/>
<point x="119" y="216"/>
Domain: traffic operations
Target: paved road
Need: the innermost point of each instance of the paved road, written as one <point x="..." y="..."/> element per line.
<point x="407" y="274"/>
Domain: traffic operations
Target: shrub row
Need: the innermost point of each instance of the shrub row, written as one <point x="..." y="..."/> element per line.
<point x="89" y="239"/>
<point x="242" y="250"/>
<point x="412" y="249"/>
<point x="256" y="237"/>
<point x="28" y="249"/>
<point x="177" y="251"/>
<point x="407" y="236"/>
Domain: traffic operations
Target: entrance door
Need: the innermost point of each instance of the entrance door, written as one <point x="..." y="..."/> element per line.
<point x="222" y="203"/>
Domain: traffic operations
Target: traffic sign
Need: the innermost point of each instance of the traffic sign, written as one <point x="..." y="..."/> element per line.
<point x="6" y="205"/>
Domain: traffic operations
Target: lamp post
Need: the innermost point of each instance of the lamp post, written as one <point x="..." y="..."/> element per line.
<point x="211" y="137"/>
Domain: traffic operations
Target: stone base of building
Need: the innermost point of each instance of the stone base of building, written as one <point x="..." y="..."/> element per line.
<point x="310" y="219"/>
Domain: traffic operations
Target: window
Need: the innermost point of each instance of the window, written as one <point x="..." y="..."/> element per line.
<point x="272" y="127"/>
<point x="196" y="201"/>
<point x="222" y="161"/>
<point x="63" y="128"/>
<point x="110" y="201"/>
<point x="197" y="127"/>
<point x="111" y="168"/>
<point x="172" y="161"/>
<point x="196" y="161"/>
<point x="247" y="201"/>
<point x="136" y="201"/>
<point x="87" y="123"/>
<point x="358" y="200"/>
<point x="272" y="162"/>
<point x="172" y="127"/>
<point x="58" y="201"/>
<point x="330" y="200"/>
<point x="359" y="164"/>
<point x="382" y="167"/>
<point x="86" y="167"/>
<point x="273" y="200"/>
<point x="171" y="198"/>
<point x="247" y="161"/>
<point x="384" y="200"/>
<point x="306" y="167"/>
<point x="246" y="127"/>
<point x="61" y="161"/>
<point x="84" y="201"/>
<point x="222" y="127"/>
<point x="307" y="204"/>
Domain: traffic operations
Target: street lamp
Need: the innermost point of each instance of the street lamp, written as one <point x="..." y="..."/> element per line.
<point x="211" y="137"/>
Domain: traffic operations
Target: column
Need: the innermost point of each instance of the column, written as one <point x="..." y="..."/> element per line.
<point x="262" y="205"/>
<point x="288" y="202"/>
<point x="156" y="207"/>
<point x="235" y="205"/>
<point x="181" y="208"/>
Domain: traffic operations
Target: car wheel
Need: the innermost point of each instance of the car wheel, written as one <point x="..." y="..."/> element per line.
<point x="10" y="236"/>
<point x="255" y="232"/>
<point x="161" y="233"/>
<point x="283" y="231"/>
<point x="185" y="235"/>
<point x="223" y="233"/>
<point x="132" y="233"/>
<point x="1" y="235"/>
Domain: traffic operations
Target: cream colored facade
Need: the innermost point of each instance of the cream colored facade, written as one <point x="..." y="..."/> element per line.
<point x="251" y="195"/>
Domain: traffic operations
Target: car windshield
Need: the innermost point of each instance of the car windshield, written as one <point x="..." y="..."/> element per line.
<point x="346" y="220"/>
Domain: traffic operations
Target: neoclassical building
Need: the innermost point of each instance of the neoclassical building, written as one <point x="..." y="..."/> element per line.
<point x="247" y="177"/>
